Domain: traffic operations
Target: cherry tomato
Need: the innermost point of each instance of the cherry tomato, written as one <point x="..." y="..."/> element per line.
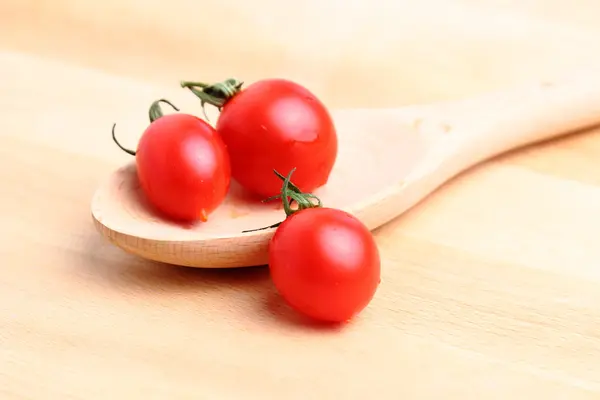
<point x="273" y="124"/>
<point x="182" y="165"/>
<point x="323" y="261"/>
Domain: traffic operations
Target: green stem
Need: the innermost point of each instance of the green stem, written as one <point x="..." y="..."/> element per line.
<point x="264" y="228"/>
<point x="291" y="191"/>
<point x="131" y="152"/>
<point x="216" y="94"/>
<point x="194" y="84"/>
<point x="156" y="112"/>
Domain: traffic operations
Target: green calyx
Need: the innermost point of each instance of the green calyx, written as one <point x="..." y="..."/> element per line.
<point x="291" y="191"/>
<point x="290" y="194"/>
<point x="154" y="113"/>
<point x="216" y="94"/>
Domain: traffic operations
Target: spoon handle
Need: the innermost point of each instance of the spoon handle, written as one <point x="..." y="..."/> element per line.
<point x="463" y="133"/>
<point x="479" y="128"/>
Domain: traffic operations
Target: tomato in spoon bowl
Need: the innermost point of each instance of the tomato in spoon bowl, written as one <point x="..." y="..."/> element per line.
<point x="273" y="124"/>
<point x="182" y="165"/>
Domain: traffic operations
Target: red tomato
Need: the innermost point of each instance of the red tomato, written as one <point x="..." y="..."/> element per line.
<point x="273" y="124"/>
<point x="183" y="166"/>
<point x="325" y="263"/>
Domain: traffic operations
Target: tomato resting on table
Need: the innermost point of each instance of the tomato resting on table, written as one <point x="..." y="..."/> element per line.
<point x="273" y="124"/>
<point x="323" y="261"/>
<point x="182" y="165"/>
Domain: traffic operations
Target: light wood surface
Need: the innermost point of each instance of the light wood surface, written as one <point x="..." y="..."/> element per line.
<point x="489" y="288"/>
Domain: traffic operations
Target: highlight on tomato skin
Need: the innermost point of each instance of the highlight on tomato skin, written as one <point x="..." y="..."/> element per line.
<point x="182" y="165"/>
<point x="324" y="262"/>
<point x="272" y="124"/>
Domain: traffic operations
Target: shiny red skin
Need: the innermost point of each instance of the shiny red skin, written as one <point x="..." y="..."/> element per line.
<point x="325" y="263"/>
<point x="278" y="124"/>
<point x="183" y="167"/>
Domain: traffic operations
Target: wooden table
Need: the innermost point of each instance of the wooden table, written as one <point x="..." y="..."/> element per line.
<point x="490" y="287"/>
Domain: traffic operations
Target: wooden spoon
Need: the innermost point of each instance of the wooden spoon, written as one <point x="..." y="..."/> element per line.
<point x="389" y="159"/>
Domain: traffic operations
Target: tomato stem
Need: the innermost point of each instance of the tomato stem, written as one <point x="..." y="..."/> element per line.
<point x="291" y="191"/>
<point x="216" y="94"/>
<point x="156" y="112"/>
<point x="126" y="150"/>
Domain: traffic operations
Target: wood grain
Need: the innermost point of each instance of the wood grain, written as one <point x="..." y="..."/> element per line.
<point x="490" y="287"/>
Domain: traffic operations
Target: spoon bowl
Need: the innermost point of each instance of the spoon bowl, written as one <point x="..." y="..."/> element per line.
<point x="388" y="160"/>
